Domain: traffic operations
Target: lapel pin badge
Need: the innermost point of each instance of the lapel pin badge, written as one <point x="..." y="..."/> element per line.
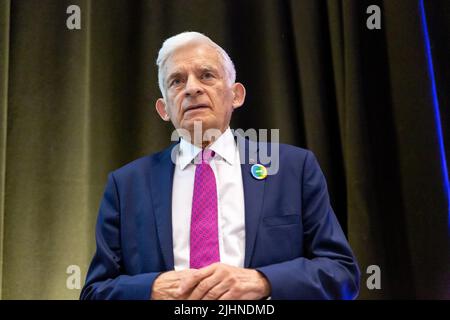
<point x="259" y="171"/>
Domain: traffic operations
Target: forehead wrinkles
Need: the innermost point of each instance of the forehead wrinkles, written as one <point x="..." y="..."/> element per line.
<point x="193" y="55"/>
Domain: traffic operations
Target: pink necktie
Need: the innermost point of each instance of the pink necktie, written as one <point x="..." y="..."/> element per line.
<point x="204" y="240"/>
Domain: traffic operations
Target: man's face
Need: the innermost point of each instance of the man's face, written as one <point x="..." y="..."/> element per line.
<point x="197" y="89"/>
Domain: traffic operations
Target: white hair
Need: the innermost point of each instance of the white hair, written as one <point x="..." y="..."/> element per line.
<point x="173" y="43"/>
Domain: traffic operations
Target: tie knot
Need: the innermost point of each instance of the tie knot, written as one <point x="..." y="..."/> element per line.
<point x="207" y="155"/>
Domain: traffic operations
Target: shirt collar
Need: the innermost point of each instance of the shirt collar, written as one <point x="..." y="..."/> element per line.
<point x="224" y="147"/>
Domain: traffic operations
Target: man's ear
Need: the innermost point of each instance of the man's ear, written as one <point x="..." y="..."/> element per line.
<point x="238" y="94"/>
<point x="161" y="109"/>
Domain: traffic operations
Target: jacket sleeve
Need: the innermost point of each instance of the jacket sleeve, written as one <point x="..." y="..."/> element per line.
<point x="106" y="278"/>
<point x="328" y="269"/>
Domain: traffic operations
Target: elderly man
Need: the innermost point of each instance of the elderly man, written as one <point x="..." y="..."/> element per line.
<point x="203" y="219"/>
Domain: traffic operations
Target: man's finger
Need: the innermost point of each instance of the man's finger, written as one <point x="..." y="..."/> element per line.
<point x="204" y="286"/>
<point x="190" y="281"/>
<point x="227" y="296"/>
<point x="216" y="292"/>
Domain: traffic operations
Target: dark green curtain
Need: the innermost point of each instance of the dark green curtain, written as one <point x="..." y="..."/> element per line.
<point x="76" y="104"/>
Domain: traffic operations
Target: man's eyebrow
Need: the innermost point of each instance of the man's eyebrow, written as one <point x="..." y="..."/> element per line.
<point x="174" y="75"/>
<point x="203" y="68"/>
<point x="209" y="68"/>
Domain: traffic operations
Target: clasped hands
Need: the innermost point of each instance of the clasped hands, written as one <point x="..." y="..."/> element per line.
<point x="217" y="281"/>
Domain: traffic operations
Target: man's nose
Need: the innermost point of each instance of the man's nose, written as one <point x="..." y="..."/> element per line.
<point x="193" y="87"/>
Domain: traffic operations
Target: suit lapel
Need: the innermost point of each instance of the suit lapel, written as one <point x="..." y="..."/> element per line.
<point x="162" y="177"/>
<point x="253" y="194"/>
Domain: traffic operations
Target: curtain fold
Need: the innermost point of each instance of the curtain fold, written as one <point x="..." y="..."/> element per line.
<point x="77" y="104"/>
<point x="4" y="72"/>
<point x="48" y="184"/>
<point x="422" y="188"/>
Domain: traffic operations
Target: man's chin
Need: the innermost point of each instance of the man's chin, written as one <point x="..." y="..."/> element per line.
<point x="200" y="122"/>
<point x="201" y="126"/>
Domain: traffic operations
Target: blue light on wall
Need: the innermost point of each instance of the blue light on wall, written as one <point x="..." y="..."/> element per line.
<point x="435" y="105"/>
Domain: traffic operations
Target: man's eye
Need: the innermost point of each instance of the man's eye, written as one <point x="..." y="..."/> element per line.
<point x="175" y="82"/>
<point x="208" y="75"/>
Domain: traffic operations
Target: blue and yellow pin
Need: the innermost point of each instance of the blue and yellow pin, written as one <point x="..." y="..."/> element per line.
<point x="259" y="171"/>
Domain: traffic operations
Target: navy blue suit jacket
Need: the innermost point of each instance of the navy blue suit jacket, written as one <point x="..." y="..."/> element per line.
<point x="292" y="235"/>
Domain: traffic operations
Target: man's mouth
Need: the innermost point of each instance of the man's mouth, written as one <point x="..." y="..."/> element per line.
<point x="196" y="107"/>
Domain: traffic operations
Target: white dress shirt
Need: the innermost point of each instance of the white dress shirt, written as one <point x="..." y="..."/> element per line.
<point x="230" y="196"/>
